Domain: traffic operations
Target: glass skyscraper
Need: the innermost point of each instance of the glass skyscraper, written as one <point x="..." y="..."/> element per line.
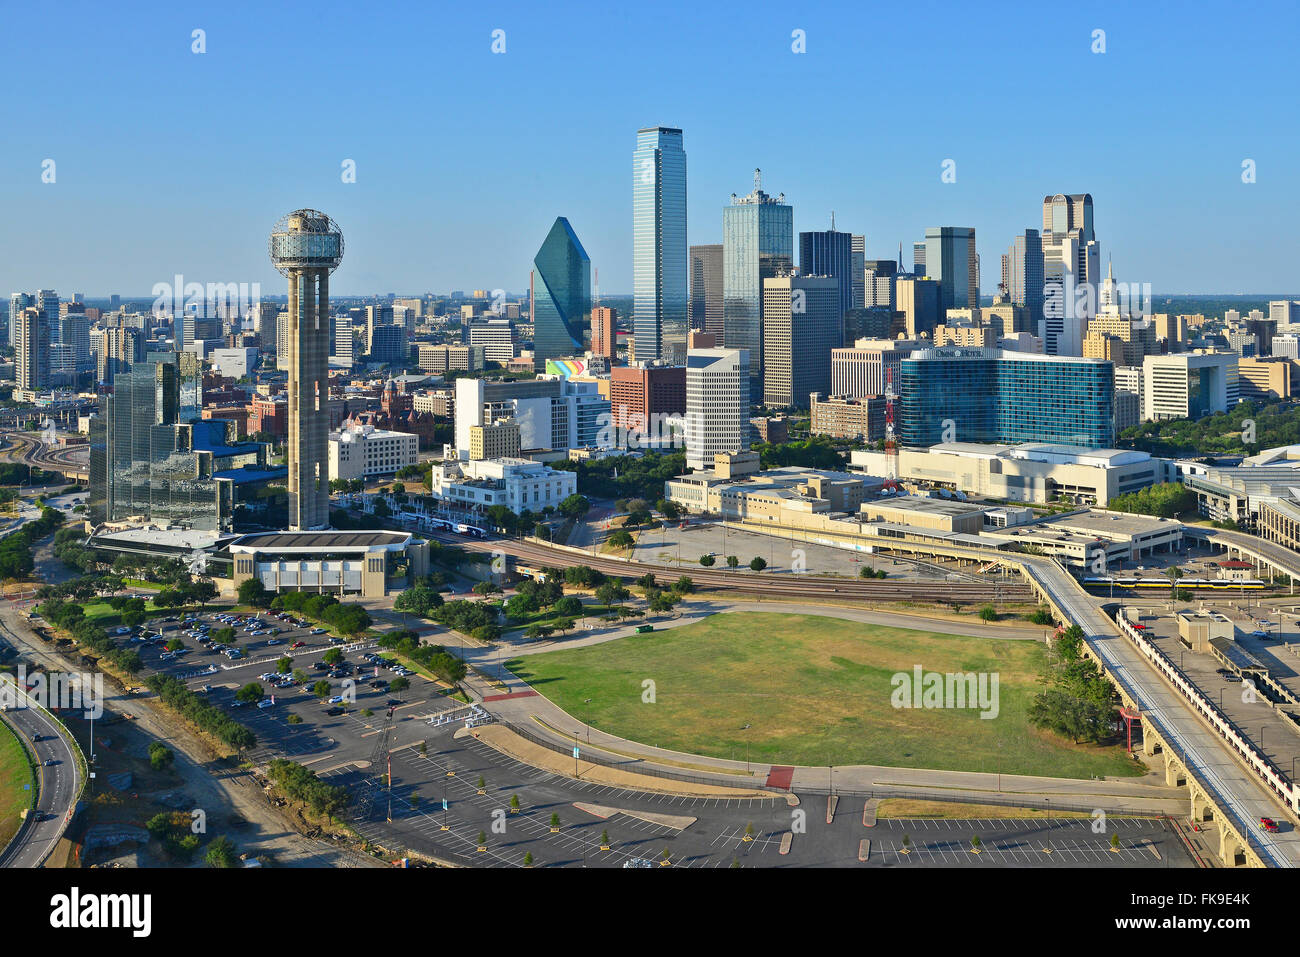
<point x="830" y="253"/>
<point x="986" y="395"/>
<point x="659" y="270"/>
<point x="757" y="244"/>
<point x="151" y="455"/>
<point x="560" y="293"/>
<point x="950" y="258"/>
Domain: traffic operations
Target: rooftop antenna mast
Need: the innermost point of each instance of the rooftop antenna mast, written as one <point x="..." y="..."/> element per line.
<point x="758" y="180"/>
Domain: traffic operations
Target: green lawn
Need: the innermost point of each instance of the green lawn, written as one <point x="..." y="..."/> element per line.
<point x="15" y="772"/>
<point x="816" y="691"/>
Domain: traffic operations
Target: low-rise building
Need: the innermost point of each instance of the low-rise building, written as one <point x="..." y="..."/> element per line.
<point x="1036" y="473"/>
<point x="518" y="484"/>
<point x="842" y="417"/>
<point x="364" y="452"/>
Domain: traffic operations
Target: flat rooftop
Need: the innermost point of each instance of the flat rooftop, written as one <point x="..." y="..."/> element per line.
<point x="320" y="540"/>
<point x="1112" y="523"/>
<point x="930" y="506"/>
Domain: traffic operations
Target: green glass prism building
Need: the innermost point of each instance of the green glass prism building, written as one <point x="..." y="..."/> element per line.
<point x="559" y="289"/>
<point x="659" y="251"/>
<point x="993" y="396"/>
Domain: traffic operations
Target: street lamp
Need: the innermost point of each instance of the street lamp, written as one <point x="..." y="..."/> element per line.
<point x="587" y="701"/>
<point x="746" y="728"/>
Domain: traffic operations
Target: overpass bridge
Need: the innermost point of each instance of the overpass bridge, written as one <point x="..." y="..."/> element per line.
<point x="1224" y="785"/>
<point x="1265" y="555"/>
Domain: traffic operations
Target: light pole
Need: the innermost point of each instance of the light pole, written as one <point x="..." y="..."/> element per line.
<point x="746" y="728"/>
<point x="587" y="701"/>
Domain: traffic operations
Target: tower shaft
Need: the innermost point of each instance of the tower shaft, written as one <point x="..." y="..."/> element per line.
<point x="309" y="342"/>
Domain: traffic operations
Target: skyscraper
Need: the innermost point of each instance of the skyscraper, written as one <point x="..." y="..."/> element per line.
<point x="17" y="303"/>
<point x="603" y="335"/>
<point x="830" y="253"/>
<point x="47" y="301"/>
<point x="950" y="258"/>
<point x="802" y="323"/>
<point x="1024" y="277"/>
<point x="757" y="244"/>
<point x="706" y="289"/>
<point x="659" y="277"/>
<point x="856" y="271"/>
<point x="32" y="350"/>
<point x="306" y="246"/>
<point x="1070" y="217"/>
<point x="559" y="290"/>
<point x="717" y="404"/>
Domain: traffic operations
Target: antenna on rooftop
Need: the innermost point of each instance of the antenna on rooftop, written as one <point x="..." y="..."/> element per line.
<point x="758" y="179"/>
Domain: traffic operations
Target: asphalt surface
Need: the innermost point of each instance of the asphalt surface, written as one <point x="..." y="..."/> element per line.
<point x="58" y="786"/>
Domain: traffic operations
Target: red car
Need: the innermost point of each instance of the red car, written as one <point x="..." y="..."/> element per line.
<point x="298" y="644"/>
<point x="1268" y="824"/>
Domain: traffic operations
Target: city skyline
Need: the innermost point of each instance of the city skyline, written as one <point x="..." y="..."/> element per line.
<point x="440" y="208"/>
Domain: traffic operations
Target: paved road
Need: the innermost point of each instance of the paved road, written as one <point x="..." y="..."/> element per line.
<point x="1235" y="789"/>
<point x="59" y="785"/>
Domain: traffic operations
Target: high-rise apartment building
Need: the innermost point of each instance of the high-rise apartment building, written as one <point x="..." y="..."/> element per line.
<point x="604" y="332"/>
<point x="757" y="244"/>
<point x="559" y="290"/>
<point x="659" y="257"/>
<point x="306" y="246"/>
<point x="18" y="301"/>
<point x="706" y="289"/>
<point x="802" y="324"/>
<point x="32" y="350"/>
<point x="717" y="404"/>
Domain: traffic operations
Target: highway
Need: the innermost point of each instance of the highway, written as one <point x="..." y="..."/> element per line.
<point x="59" y="784"/>
<point x="784" y="586"/>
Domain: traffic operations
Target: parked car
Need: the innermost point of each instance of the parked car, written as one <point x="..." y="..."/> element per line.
<point x="1268" y="824"/>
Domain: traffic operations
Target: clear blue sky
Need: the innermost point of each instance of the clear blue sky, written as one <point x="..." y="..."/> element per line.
<point x="173" y="162"/>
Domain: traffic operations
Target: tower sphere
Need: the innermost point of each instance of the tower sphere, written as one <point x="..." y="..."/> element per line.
<point x="306" y="239"/>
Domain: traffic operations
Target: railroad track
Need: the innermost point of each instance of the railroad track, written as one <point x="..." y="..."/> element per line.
<point x="785" y="586"/>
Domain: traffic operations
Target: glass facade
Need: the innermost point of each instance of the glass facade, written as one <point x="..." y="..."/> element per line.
<point x="830" y="253"/>
<point x="984" y="395"/>
<point x="561" y="295"/>
<point x="659" y="266"/>
<point x="146" y="461"/>
<point x="757" y="244"/>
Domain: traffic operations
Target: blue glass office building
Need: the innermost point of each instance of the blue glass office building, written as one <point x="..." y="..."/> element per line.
<point x="987" y="395"/>
<point x="830" y="253"/>
<point x="560" y="293"/>
<point x="757" y="244"/>
<point x="659" y="251"/>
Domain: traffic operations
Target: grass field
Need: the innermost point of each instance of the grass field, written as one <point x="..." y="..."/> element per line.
<point x="15" y="772"/>
<point x="816" y="691"/>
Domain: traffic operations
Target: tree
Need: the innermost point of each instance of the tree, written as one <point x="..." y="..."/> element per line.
<point x="487" y="588"/>
<point x="612" y="593"/>
<point x="621" y="539"/>
<point x="252" y="592"/>
<point x="321" y="689"/>
<point x="284" y="666"/>
<point x="988" y="613"/>
<point x="482" y="839"/>
<point x="251" y="693"/>
<point x="528" y="859"/>
<point x="381" y="509"/>
<point x="223" y="636"/>
<point x="1173" y="573"/>
<point x="604" y="838"/>
<point x="757" y="564"/>
<point x="975" y="841"/>
<point x="332" y="656"/>
<point x="732" y="561"/>
<point x="555" y="820"/>
<point x="570" y="606"/>
<point x="684" y="586"/>
<point x="575" y="506"/>
<point x="521" y="606"/>
<point x="399" y="684"/>
<point x="514" y="802"/>
<point x="221" y="853"/>
<point x="707" y="561"/>
<point x="160" y="756"/>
